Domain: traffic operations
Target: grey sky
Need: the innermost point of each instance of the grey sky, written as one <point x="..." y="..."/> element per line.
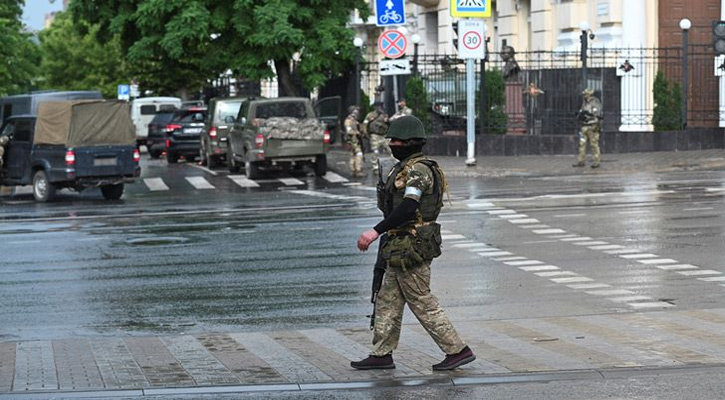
<point x="34" y="12"/>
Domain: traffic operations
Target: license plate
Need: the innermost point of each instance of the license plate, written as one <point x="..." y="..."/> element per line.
<point x="102" y="162"/>
<point x="192" y="130"/>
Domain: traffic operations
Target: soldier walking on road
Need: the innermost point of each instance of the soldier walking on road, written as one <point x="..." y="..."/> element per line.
<point x="411" y="200"/>
<point x="3" y="141"/>
<point x="403" y="110"/>
<point x="590" y="115"/>
<point x="375" y="125"/>
<point x="354" y="139"/>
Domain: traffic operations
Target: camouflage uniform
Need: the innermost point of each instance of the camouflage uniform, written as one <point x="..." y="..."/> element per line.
<point x="354" y="139"/>
<point x="590" y="112"/>
<point x="3" y="141"/>
<point x="411" y="285"/>
<point x="375" y="125"/>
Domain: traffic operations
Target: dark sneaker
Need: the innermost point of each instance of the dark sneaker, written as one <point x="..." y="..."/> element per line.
<point x="454" y="361"/>
<point x="374" y="362"/>
<point x="579" y="164"/>
<point x="595" y="166"/>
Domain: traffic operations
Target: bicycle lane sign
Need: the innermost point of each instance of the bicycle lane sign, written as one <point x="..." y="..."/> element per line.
<point x="392" y="44"/>
<point x="389" y="12"/>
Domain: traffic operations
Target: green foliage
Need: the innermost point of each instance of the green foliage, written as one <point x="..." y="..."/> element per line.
<point x="495" y="119"/>
<point x="19" y="55"/>
<point x="186" y="42"/>
<point x="417" y="99"/>
<point x="78" y="61"/>
<point x="667" y="110"/>
<point x="365" y="106"/>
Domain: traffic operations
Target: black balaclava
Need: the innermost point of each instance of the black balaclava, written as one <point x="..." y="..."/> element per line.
<point x="403" y="152"/>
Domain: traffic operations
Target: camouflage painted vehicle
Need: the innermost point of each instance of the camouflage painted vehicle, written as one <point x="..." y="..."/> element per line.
<point x="276" y="134"/>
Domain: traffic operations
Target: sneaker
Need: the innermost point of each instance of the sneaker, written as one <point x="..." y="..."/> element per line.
<point x="595" y="166"/>
<point x="374" y="362"/>
<point x="579" y="164"/>
<point x="454" y="361"/>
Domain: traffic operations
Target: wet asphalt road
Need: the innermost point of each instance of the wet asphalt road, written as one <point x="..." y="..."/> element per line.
<point x="226" y="257"/>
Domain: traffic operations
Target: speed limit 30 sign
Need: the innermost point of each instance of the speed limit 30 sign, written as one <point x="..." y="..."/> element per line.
<point x="471" y="38"/>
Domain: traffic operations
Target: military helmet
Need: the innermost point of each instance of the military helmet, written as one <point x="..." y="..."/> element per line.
<point x="405" y="128"/>
<point x="588" y="92"/>
<point x="352" y="109"/>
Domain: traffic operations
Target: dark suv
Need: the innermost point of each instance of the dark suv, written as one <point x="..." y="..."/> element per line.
<point x="156" y="140"/>
<point x="182" y="134"/>
<point x="222" y="114"/>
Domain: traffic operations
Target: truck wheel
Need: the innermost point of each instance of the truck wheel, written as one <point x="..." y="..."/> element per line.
<point x="251" y="169"/>
<point x="43" y="189"/>
<point x="171" y="158"/>
<point x="155" y="153"/>
<point x="112" y="192"/>
<point x="321" y="165"/>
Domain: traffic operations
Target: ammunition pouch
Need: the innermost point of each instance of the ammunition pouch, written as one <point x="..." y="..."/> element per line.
<point x="413" y="248"/>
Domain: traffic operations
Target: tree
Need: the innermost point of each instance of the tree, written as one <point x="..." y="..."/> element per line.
<point x="185" y="42"/>
<point x="19" y="54"/>
<point x="78" y="61"/>
<point x="667" y="114"/>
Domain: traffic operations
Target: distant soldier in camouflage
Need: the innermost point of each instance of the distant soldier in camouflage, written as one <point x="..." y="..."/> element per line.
<point x="354" y="139"/>
<point x="411" y="199"/>
<point x="590" y="114"/>
<point x="375" y="126"/>
<point x="3" y="141"/>
<point x="403" y="110"/>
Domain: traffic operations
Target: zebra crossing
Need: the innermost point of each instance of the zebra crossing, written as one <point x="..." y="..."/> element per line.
<point x="203" y="183"/>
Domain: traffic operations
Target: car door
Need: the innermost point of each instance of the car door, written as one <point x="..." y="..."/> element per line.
<point x="328" y="111"/>
<point x="19" y="147"/>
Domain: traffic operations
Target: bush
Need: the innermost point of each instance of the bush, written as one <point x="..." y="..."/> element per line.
<point x="667" y="110"/>
<point x="417" y="99"/>
<point x="495" y="119"/>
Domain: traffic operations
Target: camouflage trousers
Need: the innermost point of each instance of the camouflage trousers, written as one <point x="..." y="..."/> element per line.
<point x="411" y="286"/>
<point x="356" y="155"/>
<point x="589" y="133"/>
<point x="378" y="146"/>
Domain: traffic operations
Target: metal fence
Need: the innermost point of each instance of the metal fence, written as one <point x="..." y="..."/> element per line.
<point x="543" y="97"/>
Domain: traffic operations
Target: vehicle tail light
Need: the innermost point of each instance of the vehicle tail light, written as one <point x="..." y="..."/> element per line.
<point x="212" y="132"/>
<point x="168" y="143"/>
<point x="136" y="155"/>
<point x="172" y="127"/>
<point x="259" y="141"/>
<point x="326" y="137"/>
<point x="70" y="157"/>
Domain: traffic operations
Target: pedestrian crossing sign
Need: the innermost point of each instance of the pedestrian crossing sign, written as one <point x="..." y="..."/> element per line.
<point x="471" y="8"/>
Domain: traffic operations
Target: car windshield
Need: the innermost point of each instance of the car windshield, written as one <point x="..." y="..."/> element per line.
<point x="162" y="118"/>
<point x="227" y="109"/>
<point x="192" y="115"/>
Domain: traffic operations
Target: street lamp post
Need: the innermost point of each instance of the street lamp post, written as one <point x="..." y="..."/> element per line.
<point x="358" y="42"/>
<point x="416" y="41"/>
<point x="685" y="25"/>
<point x="584" y="38"/>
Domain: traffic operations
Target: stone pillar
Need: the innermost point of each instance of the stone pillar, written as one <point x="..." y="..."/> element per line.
<point x="721" y="114"/>
<point x="515" y="109"/>
<point x="634" y="82"/>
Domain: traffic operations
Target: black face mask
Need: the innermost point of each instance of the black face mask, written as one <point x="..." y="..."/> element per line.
<point x="403" y="152"/>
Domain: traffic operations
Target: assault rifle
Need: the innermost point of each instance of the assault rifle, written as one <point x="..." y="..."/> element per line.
<point x="384" y="166"/>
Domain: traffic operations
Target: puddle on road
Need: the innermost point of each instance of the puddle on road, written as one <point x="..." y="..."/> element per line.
<point x="157" y="241"/>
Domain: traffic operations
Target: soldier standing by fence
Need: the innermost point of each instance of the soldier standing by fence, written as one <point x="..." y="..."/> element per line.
<point x="354" y="139"/>
<point x="590" y="115"/>
<point x="375" y="126"/>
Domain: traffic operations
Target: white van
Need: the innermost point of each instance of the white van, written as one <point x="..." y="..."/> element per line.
<point x="143" y="110"/>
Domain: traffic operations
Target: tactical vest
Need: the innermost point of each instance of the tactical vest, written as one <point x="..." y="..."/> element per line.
<point x="430" y="205"/>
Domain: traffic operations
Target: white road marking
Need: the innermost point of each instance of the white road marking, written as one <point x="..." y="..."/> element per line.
<point x="452" y="237"/>
<point x="570" y="215"/>
<point x="291" y="181"/>
<point x="639" y="255"/>
<point x="622" y="251"/>
<point x="568" y="235"/>
<point x="592" y="243"/>
<point x="572" y="279"/>
<point x="627" y="299"/>
<point x="607" y="247"/>
<point x="539" y="268"/>
<point x="658" y="261"/>
<point x="480" y="204"/>
<point x="548" y="231"/>
<point x="699" y="272"/>
<point x="243" y="181"/>
<point x="501" y="212"/>
<point x="535" y="226"/>
<point x="576" y="239"/>
<point x="655" y="304"/>
<point x="513" y="216"/>
<point x="199" y="182"/>
<point x="549" y="274"/>
<point x="634" y="212"/>
<point x="677" y="267"/>
<point x="523" y="262"/>
<point x="580" y="286"/>
<point x="467" y="245"/>
<point x="610" y="292"/>
<point x="494" y="253"/>
<point x="509" y="258"/>
<point x="713" y="279"/>
<point x="334" y="178"/>
<point x="155" y="184"/>
<point x="525" y="221"/>
<point x="698" y="209"/>
<point x="331" y="196"/>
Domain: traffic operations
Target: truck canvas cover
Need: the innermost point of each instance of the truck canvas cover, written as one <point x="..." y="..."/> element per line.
<point x="84" y="123"/>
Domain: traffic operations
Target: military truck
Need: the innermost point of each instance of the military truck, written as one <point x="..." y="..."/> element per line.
<point x="273" y="134"/>
<point x="76" y="144"/>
